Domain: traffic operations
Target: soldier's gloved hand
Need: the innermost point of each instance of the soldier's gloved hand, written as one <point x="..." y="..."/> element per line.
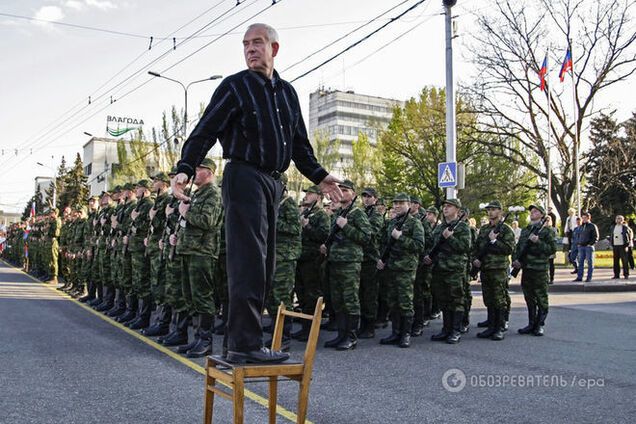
<point x="173" y="240"/>
<point x="492" y="235"/>
<point x="125" y="240"/>
<point x="169" y="210"/>
<point x="427" y="260"/>
<point x="304" y="221"/>
<point x="161" y="245"/>
<point x="477" y="263"/>
<point x="152" y="213"/>
<point x="380" y="265"/>
<point x="341" y="222"/>
<point x="146" y="241"/>
<point x="323" y="249"/>
<point x="112" y="243"/>
<point x="183" y="208"/>
<point x="516" y="264"/>
<point x="396" y="234"/>
<point x="134" y="214"/>
<point x="94" y="222"/>
<point x="447" y="233"/>
<point x="102" y="221"/>
<point x="534" y="238"/>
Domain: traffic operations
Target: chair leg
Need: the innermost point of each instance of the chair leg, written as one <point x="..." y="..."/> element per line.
<point x="273" y="393"/>
<point x="239" y="393"/>
<point x="303" y="398"/>
<point x="209" y="397"/>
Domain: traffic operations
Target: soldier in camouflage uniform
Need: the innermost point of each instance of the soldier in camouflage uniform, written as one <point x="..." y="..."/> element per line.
<point x="422" y="296"/>
<point x="125" y="259"/>
<point x="535" y="269"/>
<point x="449" y="270"/>
<point x="496" y="248"/>
<point x="288" y="248"/>
<point x="88" y="277"/>
<point x="117" y="219"/>
<point x="80" y="233"/>
<point x="157" y="217"/>
<point x="55" y="228"/>
<point x="403" y="241"/>
<point x="198" y="246"/>
<point x="468" y="296"/>
<point x="102" y="254"/>
<point x="140" y="225"/>
<point x="220" y="282"/>
<point x="315" y="229"/>
<point x="344" y="261"/>
<point x="63" y="260"/>
<point x="368" y="278"/>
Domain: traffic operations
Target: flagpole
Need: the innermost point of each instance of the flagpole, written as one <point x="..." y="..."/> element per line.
<point x="547" y="77"/>
<point x="576" y="136"/>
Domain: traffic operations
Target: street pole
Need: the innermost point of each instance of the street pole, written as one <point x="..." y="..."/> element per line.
<point x="451" y="141"/>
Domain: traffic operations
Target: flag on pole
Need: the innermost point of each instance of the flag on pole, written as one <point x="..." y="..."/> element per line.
<point x="567" y="65"/>
<point x="33" y="210"/>
<point x="543" y="72"/>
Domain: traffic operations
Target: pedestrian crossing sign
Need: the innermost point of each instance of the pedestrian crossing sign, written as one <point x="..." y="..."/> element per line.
<point x="447" y="174"/>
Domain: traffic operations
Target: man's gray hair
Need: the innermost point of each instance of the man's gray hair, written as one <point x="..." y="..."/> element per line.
<point x="272" y="35"/>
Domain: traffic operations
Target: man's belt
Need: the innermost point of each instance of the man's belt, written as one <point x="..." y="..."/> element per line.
<point x="274" y="174"/>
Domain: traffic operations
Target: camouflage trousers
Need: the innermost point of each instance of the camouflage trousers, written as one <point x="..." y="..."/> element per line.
<point x="116" y="267"/>
<point x="197" y="284"/>
<point x="534" y="284"/>
<point x="309" y="285"/>
<point x="87" y="268"/>
<point x="220" y="281"/>
<point x="173" y="291"/>
<point x="494" y="288"/>
<point x="53" y="265"/>
<point x="448" y="288"/>
<point x="468" y="295"/>
<point x="399" y="286"/>
<point x="140" y="267"/>
<point x="422" y="288"/>
<point x="344" y="285"/>
<point x="125" y="273"/>
<point x="282" y="286"/>
<point x="103" y="258"/>
<point x="369" y="291"/>
<point x="157" y="276"/>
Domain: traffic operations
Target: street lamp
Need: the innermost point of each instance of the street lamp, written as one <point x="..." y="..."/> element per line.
<point x="185" y="90"/>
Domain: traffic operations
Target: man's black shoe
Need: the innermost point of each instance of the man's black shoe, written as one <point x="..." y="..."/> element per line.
<point x="576" y="280"/>
<point x="263" y="355"/>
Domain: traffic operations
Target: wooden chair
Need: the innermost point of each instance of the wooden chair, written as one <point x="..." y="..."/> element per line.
<point x="235" y="376"/>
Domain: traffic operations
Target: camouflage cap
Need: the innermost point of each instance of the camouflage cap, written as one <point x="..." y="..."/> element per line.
<point x="493" y="204"/>
<point x="455" y="202"/>
<point x="128" y="186"/>
<point x="144" y="183"/>
<point x="208" y="163"/>
<point x="465" y="209"/>
<point x="94" y="197"/>
<point x="416" y="199"/>
<point x="173" y="171"/>
<point x="313" y="189"/>
<point x="432" y="209"/>
<point x="347" y="184"/>
<point x="117" y="189"/>
<point x="537" y="207"/>
<point x="370" y="191"/>
<point x="161" y="176"/>
<point x="402" y="197"/>
<point x="105" y="193"/>
<point x="380" y="201"/>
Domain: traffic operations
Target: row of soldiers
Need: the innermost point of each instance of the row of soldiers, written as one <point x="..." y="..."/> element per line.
<point x="138" y="249"/>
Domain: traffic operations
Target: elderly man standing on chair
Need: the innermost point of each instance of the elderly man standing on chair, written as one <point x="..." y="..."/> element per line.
<point x="256" y="116"/>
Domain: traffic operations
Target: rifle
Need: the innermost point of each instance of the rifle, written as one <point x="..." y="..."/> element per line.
<point x="151" y="230"/>
<point x="524" y="249"/>
<point x="129" y="233"/>
<point x="474" y="270"/>
<point x="180" y="223"/>
<point x="440" y="242"/>
<point x="398" y="226"/>
<point x="335" y="229"/>
<point x="309" y="210"/>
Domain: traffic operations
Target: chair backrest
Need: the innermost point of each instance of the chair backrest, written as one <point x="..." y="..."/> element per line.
<point x="312" y="341"/>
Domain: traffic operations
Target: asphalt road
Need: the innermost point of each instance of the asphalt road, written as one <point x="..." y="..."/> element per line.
<point x="60" y="363"/>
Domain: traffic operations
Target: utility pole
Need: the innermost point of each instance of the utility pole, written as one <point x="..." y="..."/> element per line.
<point x="451" y="138"/>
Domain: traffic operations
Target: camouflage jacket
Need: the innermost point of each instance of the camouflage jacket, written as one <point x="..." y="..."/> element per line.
<point x="405" y="251"/>
<point x="453" y="253"/>
<point x="428" y="236"/>
<point x="538" y="254"/>
<point x="55" y="228"/>
<point x="80" y="231"/>
<point x="157" y="224"/>
<point x="170" y="225"/>
<point x="349" y="242"/>
<point x="139" y="227"/>
<point x="104" y="229"/>
<point x="200" y="236"/>
<point x="288" y="231"/>
<point x="314" y="234"/>
<point x="376" y="221"/>
<point x="497" y="253"/>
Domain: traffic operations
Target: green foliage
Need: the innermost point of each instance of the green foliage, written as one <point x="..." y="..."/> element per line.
<point x="76" y="190"/>
<point x="364" y="162"/>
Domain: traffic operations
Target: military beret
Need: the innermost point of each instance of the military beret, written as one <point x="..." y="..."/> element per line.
<point x="416" y="199"/>
<point x="455" y="202"/>
<point x="161" y="176"/>
<point x="313" y="189"/>
<point x="370" y="191"/>
<point x="432" y="209"/>
<point x="347" y="184"/>
<point x="144" y="183"/>
<point x="537" y="207"/>
<point x="494" y="204"/>
<point x="401" y="197"/>
<point x="380" y="201"/>
<point x="208" y="163"/>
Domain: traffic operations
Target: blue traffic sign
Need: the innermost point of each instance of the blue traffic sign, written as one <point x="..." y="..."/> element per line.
<point x="447" y="174"/>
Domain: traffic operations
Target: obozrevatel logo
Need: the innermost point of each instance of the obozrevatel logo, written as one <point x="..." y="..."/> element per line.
<point x="454" y="380"/>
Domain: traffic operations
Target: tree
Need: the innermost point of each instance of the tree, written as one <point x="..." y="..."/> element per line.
<point x="364" y="162"/>
<point x="508" y="49"/>
<point x="39" y="205"/>
<point x="54" y="190"/>
<point x="76" y="189"/>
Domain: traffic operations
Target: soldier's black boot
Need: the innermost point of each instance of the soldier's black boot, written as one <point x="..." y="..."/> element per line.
<point x="180" y="334"/>
<point x="90" y="295"/>
<point x="332" y="322"/>
<point x="456" y="335"/>
<point x="131" y="309"/>
<point x="367" y="330"/>
<point x="302" y="335"/>
<point x="484" y="324"/>
<point x="394" y="337"/>
<point x="418" y="321"/>
<point x="172" y="327"/>
<point x="143" y="314"/>
<point x="196" y="326"/>
<point x="108" y="302"/>
<point x="465" y="324"/>
<point x="491" y="325"/>
<point x="499" y="325"/>
<point x="538" y="328"/>
<point x="506" y="319"/>
<point x="350" y="341"/>
<point x="405" y="331"/>
<point x="532" y="320"/>
<point x="162" y="322"/>
<point x="341" y="323"/>
<point x="219" y="329"/>
<point x="447" y="326"/>
<point x="203" y="347"/>
<point x="119" y="306"/>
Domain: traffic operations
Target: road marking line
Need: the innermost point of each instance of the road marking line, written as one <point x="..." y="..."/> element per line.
<point x="280" y="410"/>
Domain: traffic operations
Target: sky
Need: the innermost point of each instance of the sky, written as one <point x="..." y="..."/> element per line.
<point x="48" y="71"/>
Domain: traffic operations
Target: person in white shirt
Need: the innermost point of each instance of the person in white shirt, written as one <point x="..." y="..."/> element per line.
<point x="621" y="237"/>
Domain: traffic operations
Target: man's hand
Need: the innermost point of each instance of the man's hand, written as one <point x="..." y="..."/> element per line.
<point x="146" y="241"/>
<point x="125" y="240"/>
<point x="304" y="221"/>
<point x="178" y="183"/>
<point x="184" y="208"/>
<point x="516" y="264"/>
<point x="534" y="238"/>
<point x="396" y="234"/>
<point x="341" y="221"/>
<point x="380" y="265"/>
<point x="134" y="214"/>
<point x="102" y="221"/>
<point x="447" y="233"/>
<point x="161" y="245"/>
<point x="323" y="249"/>
<point x="477" y="263"/>
<point x="152" y="213"/>
<point x="173" y="240"/>
<point x="169" y="210"/>
<point x="492" y="235"/>
<point x="329" y="187"/>
<point x="427" y="260"/>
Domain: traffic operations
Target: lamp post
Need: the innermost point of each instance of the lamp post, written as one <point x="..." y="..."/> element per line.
<point x="185" y="91"/>
<point x="451" y="141"/>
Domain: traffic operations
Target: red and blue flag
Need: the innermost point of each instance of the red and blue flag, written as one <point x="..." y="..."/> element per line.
<point x="567" y="65"/>
<point x="543" y="72"/>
